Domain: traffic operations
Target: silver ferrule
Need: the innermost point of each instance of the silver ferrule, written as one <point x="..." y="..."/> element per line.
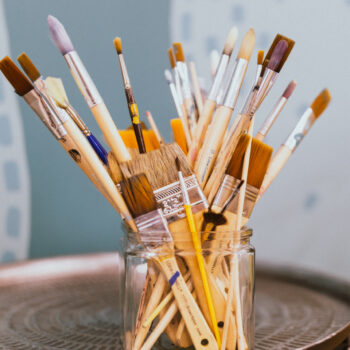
<point x="300" y="130"/>
<point x="178" y="84"/>
<point x="228" y="185"/>
<point x="264" y="88"/>
<point x="125" y="75"/>
<point x="185" y="80"/>
<point x="258" y="72"/>
<point x="176" y="99"/>
<point x="236" y="83"/>
<point x="226" y="81"/>
<point x="185" y="196"/>
<point x="83" y="79"/>
<point x="272" y="116"/>
<point x="39" y="105"/>
<point x="171" y="202"/>
<point x="219" y="75"/>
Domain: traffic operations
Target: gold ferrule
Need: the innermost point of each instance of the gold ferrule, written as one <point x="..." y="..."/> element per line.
<point x="38" y="104"/>
<point x="171" y="201"/>
<point x="77" y="120"/>
<point x="83" y="79"/>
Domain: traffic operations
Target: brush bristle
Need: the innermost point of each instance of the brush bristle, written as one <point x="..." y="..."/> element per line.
<point x="15" y="77"/>
<point x="59" y="35"/>
<point x="118" y="44"/>
<point x="230" y="41"/>
<point x="260" y="57"/>
<point x="260" y="156"/>
<point x="289" y="89"/>
<point x="28" y="66"/>
<point x="114" y="168"/>
<point x="55" y="89"/>
<point x="277" y="39"/>
<point x="168" y="76"/>
<point x="277" y="55"/>
<point x="236" y="163"/>
<point x="321" y="102"/>
<point x="247" y="45"/>
<point x="178" y="51"/>
<point x="138" y="195"/>
<point x="158" y="165"/>
<point x="171" y="58"/>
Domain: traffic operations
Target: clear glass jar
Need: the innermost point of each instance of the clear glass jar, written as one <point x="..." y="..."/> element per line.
<point x="165" y="303"/>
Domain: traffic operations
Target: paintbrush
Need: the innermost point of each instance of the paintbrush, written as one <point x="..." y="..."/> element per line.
<point x="213" y="139"/>
<point x="186" y="87"/>
<point x="303" y="126"/>
<point x="154" y="127"/>
<point x="132" y="106"/>
<point x="275" y="112"/>
<point x="149" y="220"/>
<point x="214" y="62"/>
<point x="88" y="89"/>
<point x="260" y="60"/>
<point x="159" y="166"/>
<point x="35" y="76"/>
<point x="177" y="103"/>
<point x="209" y="105"/>
<point x="69" y="136"/>
<point x="241" y="123"/>
<point x="179" y="134"/>
<point x="196" y="88"/>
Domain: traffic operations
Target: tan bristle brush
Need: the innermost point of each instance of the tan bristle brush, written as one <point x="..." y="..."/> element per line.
<point x="186" y="86"/>
<point x="260" y="60"/>
<point x="242" y="121"/>
<point x="214" y="138"/>
<point x="159" y="166"/>
<point x="154" y="127"/>
<point x="275" y="112"/>
<point x="130" y="99"/>
<point x="210" y="102"/>
<point x="179" y="134"/>
<point x="301" y="129"/>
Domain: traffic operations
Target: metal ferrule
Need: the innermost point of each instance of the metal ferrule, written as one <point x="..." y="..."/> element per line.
<point x="178" y="85"/>
<point x="264" y="88"/>
<point x="185" y="80"/>
<point x="258" y="72"/>
<point x="36" y="102"/>
<point x="78" y="121"/>
<point x="301" y="129"/>
<point x="125" y="75"/>
<point x="83" y="79"/>
<point x="273" y="115"/>
<point x="226" y="81"/>
<point x="228" y="186"/>
<point x="271" y="83"/>
<point x="219" y="75"/>
<point x="236" y="83"/>
<point x="176" y="99"/>
<point x="171" y="202"/>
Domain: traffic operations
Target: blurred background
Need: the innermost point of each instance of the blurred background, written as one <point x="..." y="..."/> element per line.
<point x="49" y="208"/>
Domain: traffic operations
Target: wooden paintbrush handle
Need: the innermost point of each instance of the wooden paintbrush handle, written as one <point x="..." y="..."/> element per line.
<point x="212" y="142"/>
<point x="199" y="134"/>
<point x="110" y="132"/>
<point x="199" y="330"/>
<point x="278" y="161"/>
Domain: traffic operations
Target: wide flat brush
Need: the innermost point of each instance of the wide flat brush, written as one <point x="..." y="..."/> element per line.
<point x="275" y="112"/>
<point x="209" y="105"/>
<point x="154" y="127"/>
<point x="140" y="199"/>
<point x="296" y="136"/>
<point x="179" y="134"/>
<point x="132" y="106"/>
<point x="88" y="89"/>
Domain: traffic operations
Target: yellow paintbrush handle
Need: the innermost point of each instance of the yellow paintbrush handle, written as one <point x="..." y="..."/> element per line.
<point x="110" y="132"/>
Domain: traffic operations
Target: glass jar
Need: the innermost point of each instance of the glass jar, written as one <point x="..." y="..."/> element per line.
<point x="166" y="303"/>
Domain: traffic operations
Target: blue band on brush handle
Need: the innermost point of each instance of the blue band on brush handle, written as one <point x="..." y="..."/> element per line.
<point x="99" y="149"/>
<point x="174" y="278"/>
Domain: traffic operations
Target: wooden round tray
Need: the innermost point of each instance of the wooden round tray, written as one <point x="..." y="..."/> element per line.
<point x="72" y="303"/>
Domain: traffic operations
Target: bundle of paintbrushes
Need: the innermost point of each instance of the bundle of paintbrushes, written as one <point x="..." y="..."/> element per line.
<point x="192" y="196"/>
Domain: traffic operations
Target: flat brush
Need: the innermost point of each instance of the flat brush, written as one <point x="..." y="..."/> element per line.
<point x="132" y="106"/>
<point x="214" y="139"/>
<point x="140" y="199"/>
<point x="179" y="134"/>
<point x="209" y="105"/>
<point x="62" y="102"/>
<point x="130" y="141"/>
<point x="179" y="109"/>
<point x="186" y="86"/>
<point x="275" y="112"/>
<point x="88" y="89"/>
<point x="154" y="127"/>
<point x="296" y="136"/>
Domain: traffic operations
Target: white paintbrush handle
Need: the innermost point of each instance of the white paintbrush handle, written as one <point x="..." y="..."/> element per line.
<point x="110" y="132"/>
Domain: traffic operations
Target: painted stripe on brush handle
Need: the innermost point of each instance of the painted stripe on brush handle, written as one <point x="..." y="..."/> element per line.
<point x="99" y="149"/>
